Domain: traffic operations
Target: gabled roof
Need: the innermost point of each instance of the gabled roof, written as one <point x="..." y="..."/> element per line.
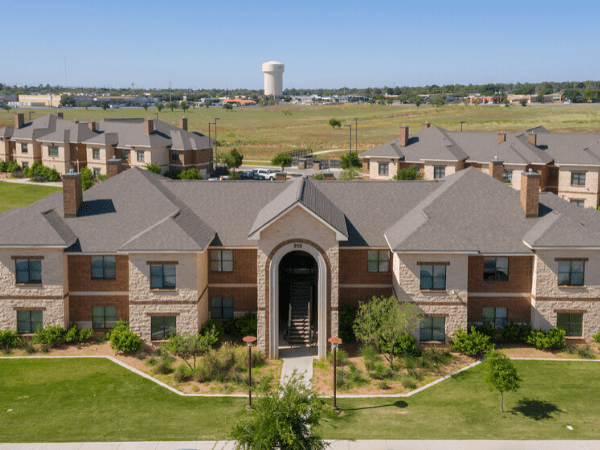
<point x="301" y="191"/>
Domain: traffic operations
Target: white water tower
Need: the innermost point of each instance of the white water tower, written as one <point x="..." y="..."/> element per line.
<point x="273" y="71"/>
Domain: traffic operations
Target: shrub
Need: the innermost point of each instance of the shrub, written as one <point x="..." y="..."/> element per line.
<point x="554" y="338"/>
<point x="239" y="327"/>
<point x="380" y="370"/>
<point x="485" y="328"/>
<point x="471" y="344"/>
<point x="9" y="339"/>
<point x="515" y="333"/>
<point x="28" y="347"/>
<point x="141" y="355"/>
<point x="45" y="348"/>
<point x="384" y="385"/>
<point x="341" y="357"/>
<point x="342" y="379"/>
<point x="182" y="374"/>
<point x="214" y="327"/>
<point x="2" y="166"/>
<point x="50" y="336"/>
<point x="154" y="168"/>
<point x="357" y="377"/>
<point x="124" y="340"/>
<point x="596" y="338"/>
<point x="408" y="382"/>
<point x="12" y="166"/>
<point x="17" y="174"/>
<point x="75" y="335"/>
<point x="164" y="367"/>
<point x="405" y="345"/>
<point x="586" y="352"/>
<point x="190" y="174"/>
<point x="346" y="321"/>
<point x="369" y="353"/>
<point x="87" y="178"/>
<point x="319" y="176"/>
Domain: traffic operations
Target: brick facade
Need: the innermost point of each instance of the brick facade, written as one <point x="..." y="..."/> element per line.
<point x="80" y="275"/>
<point x="520" y="275"/>
<point x="80" y="307"/>
<point x="518" y="308"/>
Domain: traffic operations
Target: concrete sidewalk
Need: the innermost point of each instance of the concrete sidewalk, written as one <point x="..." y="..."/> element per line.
<point x="335" y="445"/>
<point x="299" y="359"/>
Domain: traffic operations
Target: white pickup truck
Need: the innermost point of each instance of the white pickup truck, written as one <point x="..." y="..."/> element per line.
<point x="265" y="174"/>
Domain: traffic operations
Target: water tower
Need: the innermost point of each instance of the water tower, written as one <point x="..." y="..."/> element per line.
<point x="273" y="71"/>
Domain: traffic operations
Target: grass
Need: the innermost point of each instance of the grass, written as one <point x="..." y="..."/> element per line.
<point x="261" y="132"/>
<point x="14" y="195"/>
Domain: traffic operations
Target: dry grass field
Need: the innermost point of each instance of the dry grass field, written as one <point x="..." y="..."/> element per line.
<point x="261" y="132"/>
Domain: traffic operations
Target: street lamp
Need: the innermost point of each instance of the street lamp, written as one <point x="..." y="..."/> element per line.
<point x="350" y="149"/>
<point x="461" y="122"/>
<point x="216" y="142"/>
<point x="249" y="340"/>
<point x="209" y="140"/>
<point x="356" y="134"/>
<point x="335" y="341"/>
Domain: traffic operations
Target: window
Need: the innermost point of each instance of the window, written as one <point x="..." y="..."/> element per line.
<point x="125" y="155"/>
<point x="572" y="323"/>
<point x="104" y="317"/>
<point x="554" y="173"/>
<point x="495" y="268"/>
<point x="496" y="316"/>
<point x="23" y="148"/>
<point x="140" y="156"/>
<point x="433" y="277"/>
<point x="570" y="273"/>
<point x="433" y="329"/>
<point x="175" y="156"/>
<point x="162" y="276"/>
<point x="221" y="261"/>
<point x="96" y="153"/>
<point x="579" y="203"/>
<point x="104" y="267"/>
<point x="29" y="271"/>
<point x="378" y="261"/>
<point x="162" y="327"/>
<point x="222" y="308"/>
<point x="507" y="176"/>
<point x="29" y="321"/>
<point x="25" y="165"/>
<point x="439" y="172"/>
<point x="577" y="179"/>
<point x="384" y="168"/>
<point x="96" y="173"/>
<point x="53" y="150"/>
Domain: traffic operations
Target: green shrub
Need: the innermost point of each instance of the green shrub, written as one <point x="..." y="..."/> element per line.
<point x="12" y="166"/>
<point x="75" y="335"/>
<point x="50" y="336"/>
<point x="416" y="374"/>
<point x="370" y="355"/>
<point x="190" y="174"/>
<point x="214" y="327"/>
<point x="486" y="328"/>
<point x="342" y="379"/>
<point x="154" y="168"/>
<point x="182" y="374"/>
<point x="164" y="367"/>
<point x="341" y="357"/>
<point x="586" y="352"/>
<point x="2" y="165"/>
<point x="346" y="321"/>
<point x="17" y="174"/>
<point x="471" y="344"/>
<point x="239" y="327"/>
<point x="87" y="178"/>
<point x="45" y="348"/>
<point x="515" y="333"/>
<point x="141" y="355"/>
<point x="596" y="338"/>
<point x="554" y="338"/>
<point x="319" y="176"/>
<point x="380" y="370"/>
<point x="9" y="339"/>
<point x="224" y="364"/>
<point x="124" y="340"/>
<point x="28" y="347"/>
<point x="405" y="345"/>
<point x="258" y="358"/>
<point x="384" y="385"/>
<point x="357" y="377"/>
<point x="408" y="382"/>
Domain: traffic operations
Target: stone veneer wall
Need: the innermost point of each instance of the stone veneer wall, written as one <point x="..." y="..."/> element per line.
<point x="453" y="306"/>
<point x="182" y="302"/>
<point x="374" y="168"/>
<point x="588" y="193"/>
<point x="49" y="296"/>
<point x="296" y="226"/>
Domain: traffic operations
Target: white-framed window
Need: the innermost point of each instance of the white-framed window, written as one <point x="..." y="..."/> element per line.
<point x="579" y="203"/>
<point x="96" y="173"/>
<point x="577" y="178"/>
<point x="96" y="153"/>
<point x="53" y="150"/>
<point x="24" y="148"/>
<point x="384" y="169"/>
<point x="507" y="176"/>
<point x="439" y="172"/>
<point x="221" y="260"/>
<point x="140" y="156"/>
<point x="571" y="273"/>
<point x="125" y="155"/>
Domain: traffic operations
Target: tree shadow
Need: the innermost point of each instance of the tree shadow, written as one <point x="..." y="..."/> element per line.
<point x="397" y="404"/>
<point x="536" y="409"/>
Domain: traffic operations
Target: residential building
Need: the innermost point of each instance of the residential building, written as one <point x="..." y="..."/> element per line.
<point x="51" y="100"/>
<point x="569" y="163"/>
<point x="72" y="144"/>
<point x="466" y="249"/>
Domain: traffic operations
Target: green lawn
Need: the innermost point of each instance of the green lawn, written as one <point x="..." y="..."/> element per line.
<point x="96" y="400"/>
<point x="14" y="195"/>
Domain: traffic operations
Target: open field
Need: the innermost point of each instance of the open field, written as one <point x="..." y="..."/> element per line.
<point x="96" y="400"/>
<point x="261" y="132"/>
<point x="15" y="195"/>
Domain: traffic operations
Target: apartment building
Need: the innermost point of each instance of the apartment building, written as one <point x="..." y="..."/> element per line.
<point x="73" y="144"/>
<point x="159" y="253"/>
<point x="568" y="163"/>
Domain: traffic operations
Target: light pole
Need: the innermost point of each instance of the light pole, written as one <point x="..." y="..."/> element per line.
<point x="335" y="341"/>
<point x="209" y="140"/>
<point x="216" y="142"/>
<point x="350" y="149"/>
<point x="156" y="116"/>
<point x="356" y="134"/>
<point x="249" y="340"/>
<point x="461" y="122"/>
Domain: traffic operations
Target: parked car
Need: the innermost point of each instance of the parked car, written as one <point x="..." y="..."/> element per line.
<point x="247" y="175"/>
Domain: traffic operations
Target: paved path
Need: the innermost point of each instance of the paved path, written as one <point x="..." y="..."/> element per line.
<point x="335" y="445"/>
<point x="299" y="359"/>
<point x="28" y="181"/>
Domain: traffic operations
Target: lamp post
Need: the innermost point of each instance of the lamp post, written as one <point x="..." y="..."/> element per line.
<point x="461" y="122"/>
<point x="209" y="140"/>
<point x="350" y="149"/>
<point x="249" y="340"/>
<point x="335" y="341"/>
<point x="356" y="134"/>
<point x="216" y="142"/>
<point x="156" y="116"/>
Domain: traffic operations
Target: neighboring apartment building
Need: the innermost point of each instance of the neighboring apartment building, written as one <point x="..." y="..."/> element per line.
<point x="72" y="144"/>
<point x="569" y="163"/>
<point x="168" y="255"/>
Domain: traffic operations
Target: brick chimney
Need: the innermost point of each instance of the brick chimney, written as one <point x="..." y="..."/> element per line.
<point x="280" y="176"/>
<point x="530" y="193"/>
<point x="183" y="123"/>
<point x="497" y="169"/>
<point x="60" y="115"/>
<point x="92" y="126"/>
<point x="19" y="121"/>
<point x="148" y="127"/>
<point x="426" y="125"/>
<point x="532" y="138"/>
<point x="328" y="176"/>
<point x="501" y="137"/>
<point x="72" y="193"/>
<point x="113" y="167"/>
<point x="403" y="136"/>
<point x="75" y="121"/>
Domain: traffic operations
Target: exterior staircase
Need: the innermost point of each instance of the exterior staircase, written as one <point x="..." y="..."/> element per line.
<point x="299" y="319"/>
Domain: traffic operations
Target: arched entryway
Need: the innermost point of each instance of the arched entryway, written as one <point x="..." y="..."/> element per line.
<point x="305" y="267"/>
<point x="298" y="281"/>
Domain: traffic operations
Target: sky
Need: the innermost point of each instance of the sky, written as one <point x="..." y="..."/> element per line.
<point x="324" y="44"/>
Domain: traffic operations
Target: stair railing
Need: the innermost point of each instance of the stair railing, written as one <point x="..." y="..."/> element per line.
<point x="310" y="316"/>
<point x="290" y="322"/>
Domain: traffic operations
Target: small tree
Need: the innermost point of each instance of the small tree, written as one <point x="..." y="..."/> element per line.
<point x="145" y="106"/>
<point x="335" y="123"/>
<point x="172" y="105"/>
<point x="190" y="174"/>
<point x="184" y="106"/>
<point x="500" y="375"/>
<point x="282" y="159"/>
<point x="154" y="168"/>
<point x="523" y="102"/>
<point x="190" y="346"/>
<point x="208" y="103"/>
<point x="6" y="107"/>
<point x="86" y="105"/>
<point x="408" y="173"/>
<point x="350" y="160"/>
<point x="348" y="174"/>
<point x="86" y="178"/>
<point x="104" y="105"/>
<point x="418" y="101"/>
<point x="227" y="107"/>
<point x="233" y="176"/>
<point x="286" y="418"/>
<point x="383" y="321"/>
<point x="159" y="106"/>
<point x="233" y="159"/>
